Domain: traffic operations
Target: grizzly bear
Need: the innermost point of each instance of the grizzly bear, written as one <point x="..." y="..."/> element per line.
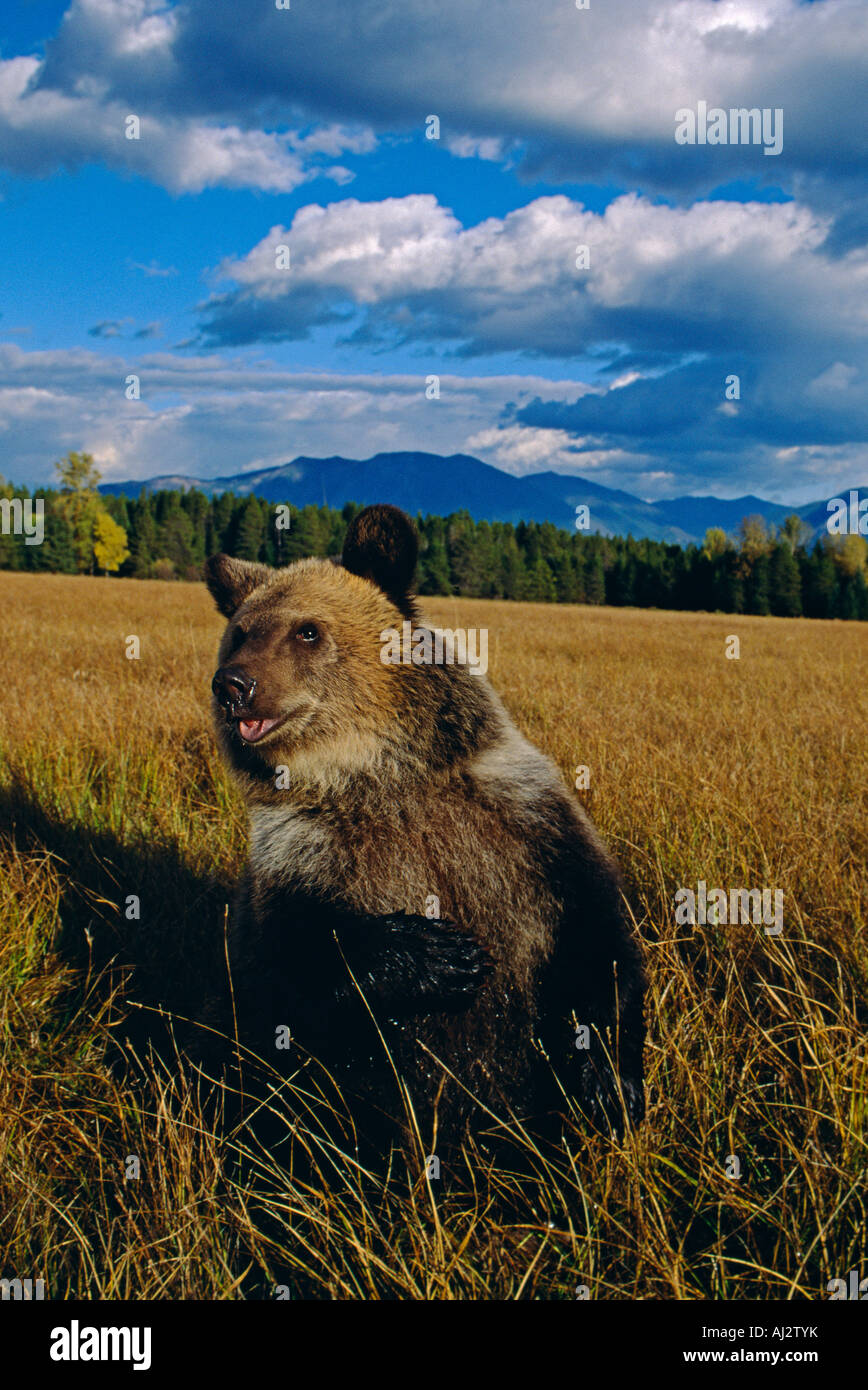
<point x="424" y="897"/>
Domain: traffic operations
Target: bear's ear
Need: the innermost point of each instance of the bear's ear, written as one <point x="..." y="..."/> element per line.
<point x="232" y="581"/>
<point x="382" y="546"/>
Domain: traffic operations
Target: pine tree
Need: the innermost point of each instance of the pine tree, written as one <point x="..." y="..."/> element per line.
<point x="175" y="535"/>
<point x="728" y="584"/>
<point x="57" y="552"/>
<point x="223" y="526"/>
<point x="197" y="507"/>
<point x="822" y="592"/>
<point x="512" y="578"/>
<point x="595" y="580"/>
<point x="542" y="582"/>
<point x="251" y="531"/>
<point x="142" y="537"/>
<point x="433" y="564"/>
<point x="463" y="553"/>
<point x="757" y="587"/>
<point x="785" y="583"/>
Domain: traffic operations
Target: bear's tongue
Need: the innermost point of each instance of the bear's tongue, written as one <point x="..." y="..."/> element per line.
<point x="253" y="729"/>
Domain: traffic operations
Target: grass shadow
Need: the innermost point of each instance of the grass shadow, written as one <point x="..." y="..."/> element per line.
<point x="132" y="914"/>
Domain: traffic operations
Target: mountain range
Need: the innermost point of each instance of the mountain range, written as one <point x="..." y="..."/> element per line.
<point x="432" y="483"/>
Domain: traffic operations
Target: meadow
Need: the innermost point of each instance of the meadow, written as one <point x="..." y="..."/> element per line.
<point x="744" y="773"/>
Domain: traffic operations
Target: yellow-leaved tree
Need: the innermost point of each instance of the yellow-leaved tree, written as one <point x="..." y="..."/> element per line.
<point x="96" y="536"/>
<point x="715" y="543"/>
<point x="850" y="553"/>
<point x="80" y="504"/>
<point x="109" y="543"/>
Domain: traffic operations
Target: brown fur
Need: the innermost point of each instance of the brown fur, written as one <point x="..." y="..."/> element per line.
<point x="406" y="781"/>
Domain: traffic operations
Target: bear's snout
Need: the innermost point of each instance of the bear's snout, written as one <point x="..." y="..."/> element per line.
<point x="234" y="688"/>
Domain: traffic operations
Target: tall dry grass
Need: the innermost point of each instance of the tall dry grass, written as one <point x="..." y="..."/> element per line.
<point x="748" y="773"/>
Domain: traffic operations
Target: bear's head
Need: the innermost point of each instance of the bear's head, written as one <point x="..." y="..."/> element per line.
<point x="300" y="680"/>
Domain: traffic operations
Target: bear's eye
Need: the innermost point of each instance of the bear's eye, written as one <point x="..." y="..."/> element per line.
<point x="308" y="632"/>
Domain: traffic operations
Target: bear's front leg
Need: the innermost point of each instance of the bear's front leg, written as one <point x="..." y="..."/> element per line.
<point x="321" y="967"/>
<point x="407" y="965"/>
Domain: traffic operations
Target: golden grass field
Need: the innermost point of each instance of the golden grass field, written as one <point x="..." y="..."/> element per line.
<point x="748" y="773"/>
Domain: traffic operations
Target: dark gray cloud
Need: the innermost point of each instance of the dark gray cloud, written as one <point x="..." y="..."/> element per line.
<point x="123" y="328"/>
<point x="575" y="95"/>
<point x="686" y="411"/>
<point x="109" y="328"/>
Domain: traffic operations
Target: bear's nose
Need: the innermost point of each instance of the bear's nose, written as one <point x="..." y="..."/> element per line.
<point x="233" y="687"/>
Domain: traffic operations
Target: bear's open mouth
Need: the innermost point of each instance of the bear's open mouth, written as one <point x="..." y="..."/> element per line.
<point x="252" y="730"/>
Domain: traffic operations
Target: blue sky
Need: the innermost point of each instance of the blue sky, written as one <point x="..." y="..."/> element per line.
<point x="453" y="256"/>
